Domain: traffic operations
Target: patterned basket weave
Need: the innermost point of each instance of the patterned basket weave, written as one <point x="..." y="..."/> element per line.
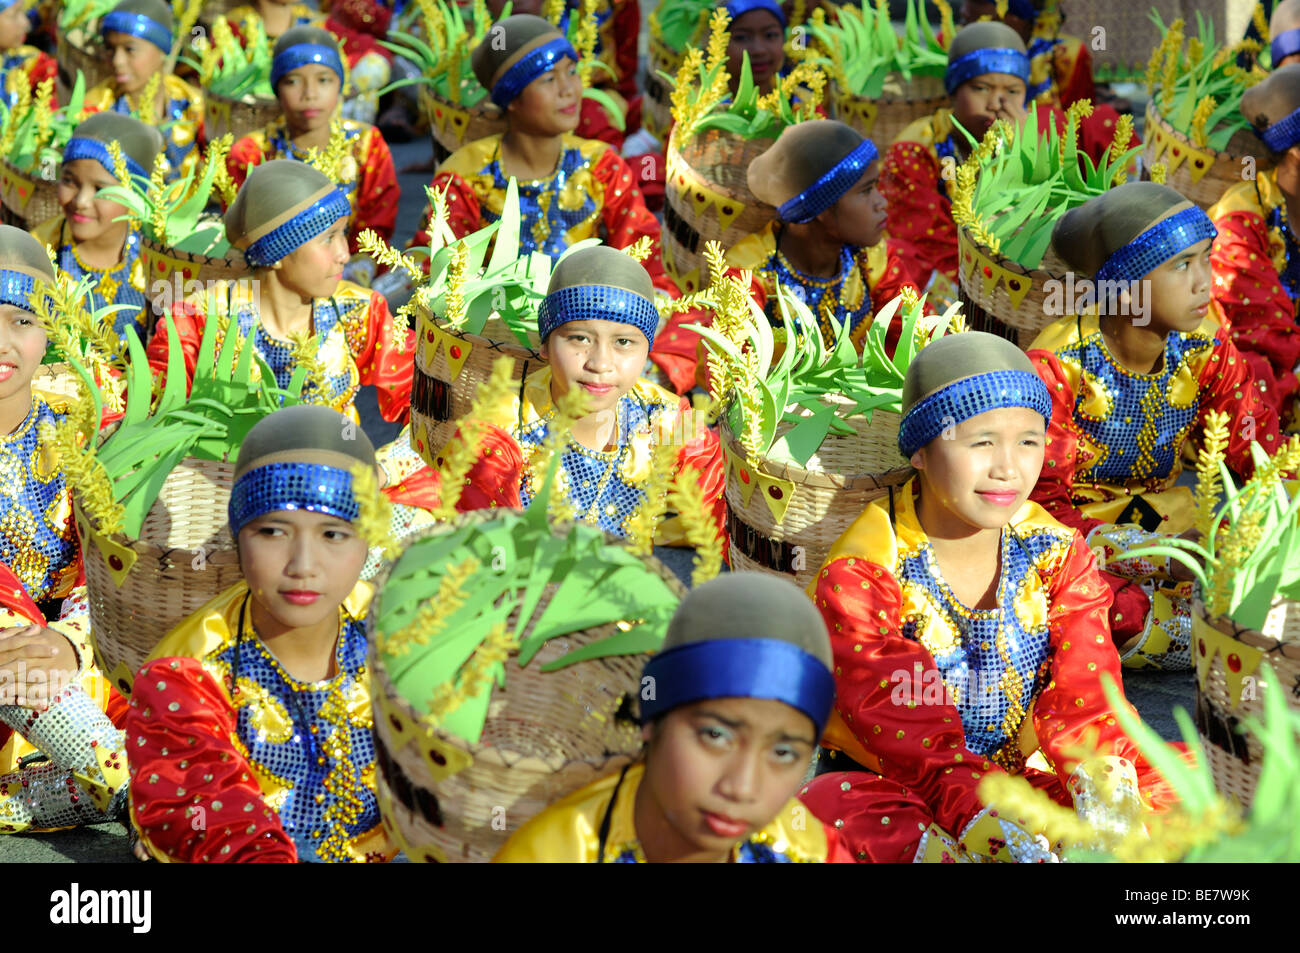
<point x="1000" y="296"/>
<point x="783" y="519"/>
<point x="1227" y="689"/>
<point x="1199" y="172"/>
<point x="449" y="367"/>
<point x="547" y="734"/>
<point x="27" y="198"/>
<point x="708" y="200"/>
<point x="81" y="49"/>
<point x="656" y="109"/>
<point x="881" y="120"/>
<point x="238" y="117"/>
<point x="141" y="588"/>
<point x="453" y="125"/>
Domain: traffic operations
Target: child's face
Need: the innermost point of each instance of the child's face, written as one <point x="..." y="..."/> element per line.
<point x="860" y="216"/>
<point x="22" y="345"/>
<point x="300" y="566"/>
<point x="133" y="59"/>
<point x="315" y="268"/>
<point x="13" y="26"/>
<point x="309" y="97"/>
<point x="983" y="470"/>
<point x="719" y="770"/>
<point x="550" y="104"/>
<point x="759" y="34"/>
<point x="981" y="101"/>
<point x="88" y="217"/>
<point x="603" y="358"/>
<point x="1179" y="290"/>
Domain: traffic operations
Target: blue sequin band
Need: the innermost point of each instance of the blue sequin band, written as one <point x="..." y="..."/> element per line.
<point x="82" y="148"/>
<point x="969" y="397"/>
<point x="302" y="228"/>
<point x="738" y="668"/>
<point x="303" y="54"/>
<point x="738" y="8"/>
<point x="539" y="61"/>
<point x="597" y="303"/>
<point x="1286" y="43"/>
<point x="979" y="62"/>
<point x="17" y="289"/>
<point x="1162" y="241"/>
<point x="137" y="24"/>
<point x="830" y="188"/>
<point x="313" y="487"/>
<point x="1283" y="134"/>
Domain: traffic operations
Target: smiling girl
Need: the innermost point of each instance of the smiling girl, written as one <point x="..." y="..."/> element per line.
<point x="1129" y="389"/>
<point x="92" y="237"/>
<point x="742" y="688"/>
<point x="291" y="223"/>
<point x="138" y="39"/>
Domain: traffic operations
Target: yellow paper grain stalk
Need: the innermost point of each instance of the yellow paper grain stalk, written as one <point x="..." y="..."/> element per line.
<point x="654" y="505"/>
<point x="1209" y="483"/>
<point x="640" y="249"/>
<point x="157" y="189"/>
<point x="685" y="111"/>
<point x="1173" y="56"/>
<point x="585" y="44"/>
<point x="460" y="454"/>
<point x="433" y="615"/>
<point x="457" y="274"/>
<point x="719" y="37"/>
<point x="553" y="10"/>
<point x="1158" y="172"/>
<point x="453" y="72"/>
<point x="435" y="29"/>
<point x="1261" y="21"/>
<point x="385" y="254"/>
<point x="696" y="516"/>
<point x="482" y="18"/>
<point x="1119" y="145"/>
<point x="475" y="676"/>
<point x="374" y="522"/>
<point x="1204" y="109"/>
<point x="947" y="26"/>
<point x="44" y="111"/>
<point x="146" y="109"/>
<point x="82" y="469"/>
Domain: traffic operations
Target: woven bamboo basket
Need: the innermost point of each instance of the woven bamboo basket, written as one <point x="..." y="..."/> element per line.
<point x="81" y="49"/>
<point x="441" y="392"/>
<point x="183" y="557"/>
<point x="27" y="199"/>
<point x="708" y="200"/>
<point x="1235" y="759"/>
<point x="239" y="117"/>
<point x="656" y="109"/>
<point x="547" y="734"/>
<point x="1199" y="172"/>
<point x="881" y="120"/>
<point x="453" y="125"/>
<point x="989" y="284"/>
<point x="825" y="498"/>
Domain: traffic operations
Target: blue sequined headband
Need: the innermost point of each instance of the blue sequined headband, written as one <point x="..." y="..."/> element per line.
<point x="18" y="288"/>
<point x="830" y="188"/>
<point x="534" y="64"/>
<point x="304" y="226"/>
<point x="979" y="62"/>
<point x="597" y="303"/>
<point x="302" y="54"/>
<point x="969" y="397"/>
<point x="1283" y="134"/>
<point x="313" y="487"/>
<point x="738" y="8"/>
<point x="1162" y="241"/>
<point x="739" y="668"/>
<point x="1284" y="44"/>
<point x="80" y="147"/>
<point x="137" y="24"/>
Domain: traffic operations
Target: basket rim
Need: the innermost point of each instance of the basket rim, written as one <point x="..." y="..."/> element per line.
<point x="1251" y="637"/>
<point x="964" y="234"/>
<point x="1153" y="116"/>
<point x="248" y="100"/>
<point x="879" y="480"/>
<point x="510" y="347"/>
<point x="478" y="110"/>
<point x="193" y="257"/>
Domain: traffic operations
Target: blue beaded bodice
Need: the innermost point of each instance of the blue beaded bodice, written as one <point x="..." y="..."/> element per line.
<point x="548" y="208"/>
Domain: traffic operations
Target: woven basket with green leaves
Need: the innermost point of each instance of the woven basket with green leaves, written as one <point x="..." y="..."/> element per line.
<point x="236" y="80"/>
<point x="33" y="135"/>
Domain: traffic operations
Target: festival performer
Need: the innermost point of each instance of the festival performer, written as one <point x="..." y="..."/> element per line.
<point x="62" y="760"/>
<point x="1131" y="378"/>
<point x="1256" y="258"/>
<point x="92" y="238"/>
<point x="968" y="628"/>
<point x="1284" y="30"/>
<point x="746" y="689"/>
<point x="1060" y="66"/>
<point x="20" y="65"/>
<point x="307" y="75"/>
<point x="138" y="39"/>
<point x="290" y="221"/>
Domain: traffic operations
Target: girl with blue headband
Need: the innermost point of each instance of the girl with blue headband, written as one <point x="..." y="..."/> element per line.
<point x="1284" y="34"/>
<point x="138" y="39"/>
<point x="1256" y="256"/>
<point x="1133" y="373"/>
<point x="1060" y="66"/>
<point x="308" y="77"/>
<point x="92" y="238"/>
<point x="290" y="221"/>
<point x="569" y="188"/>
<point x="732" y="707"/>
<point x="968" y="627"/>
<point x="17" y="57"/>
<point x="52" y="699"/>
<point x="597" y="324"/>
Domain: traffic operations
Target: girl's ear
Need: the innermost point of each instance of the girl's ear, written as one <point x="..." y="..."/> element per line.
<point x="918" y="459"/>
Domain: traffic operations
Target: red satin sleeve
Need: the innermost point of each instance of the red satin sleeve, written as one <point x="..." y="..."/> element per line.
<point x="837" y="852"/>
<point x="378" y="192"/>
<point x="704" y="456"/>
<point x="593" y="123"/>
<point x="464" y="215"/>
<point x="180" y="730"/>
<point x="922" y="748"/>
<point x="44" y="67"/>
<point x="14" y="597"/>
<point x="1054" y="491"/>
<point x="919" y="211"/>
<point x="189" y="321"/>
<point x="1072" y="71"/>
<point x="1227" y="385"/>
<point x="626" y="217"/>
<point x="244" y="154"/>
<point x="381" y="364"/>
<point x="627" y="33"/>
<point x="1258" y="310"/>
<point x="492" y="483"/>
